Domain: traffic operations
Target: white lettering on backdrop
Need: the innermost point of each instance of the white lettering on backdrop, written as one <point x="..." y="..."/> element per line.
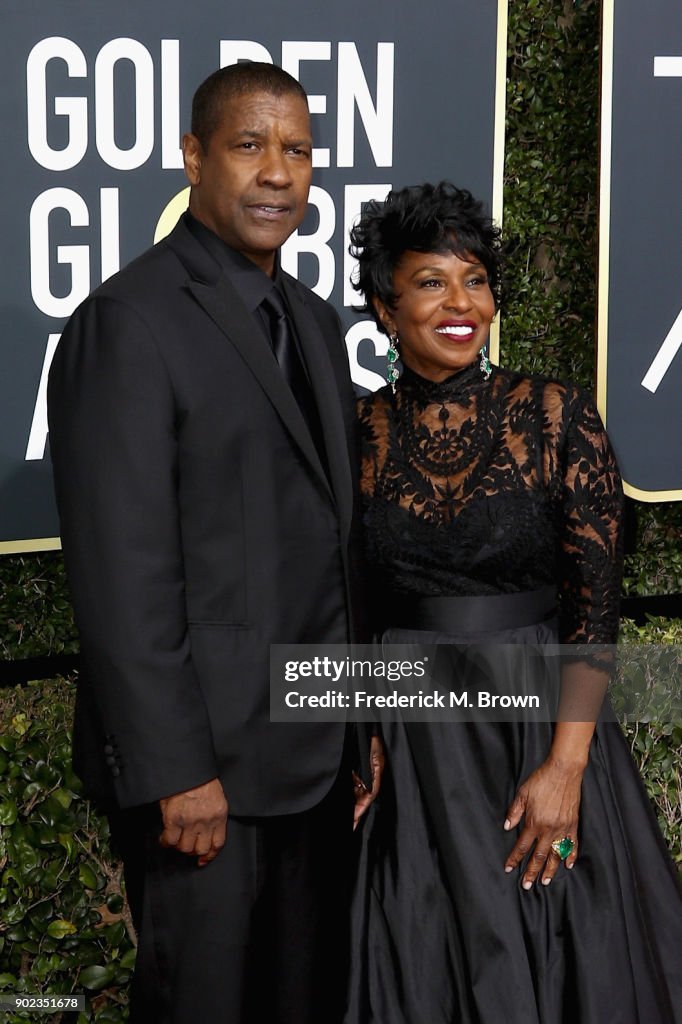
<point x="359" y="102"/>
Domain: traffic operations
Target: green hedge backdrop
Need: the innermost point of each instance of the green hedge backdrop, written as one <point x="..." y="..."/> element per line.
<point x="64" y="924"/>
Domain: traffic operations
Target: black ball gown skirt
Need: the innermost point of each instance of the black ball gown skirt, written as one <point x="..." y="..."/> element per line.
<point x="443" y="936"/>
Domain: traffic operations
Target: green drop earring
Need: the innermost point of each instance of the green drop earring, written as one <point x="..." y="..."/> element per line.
<point x="392" y="371"/>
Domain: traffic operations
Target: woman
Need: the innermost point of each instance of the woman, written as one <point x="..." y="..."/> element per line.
<point x="488" y="496"/>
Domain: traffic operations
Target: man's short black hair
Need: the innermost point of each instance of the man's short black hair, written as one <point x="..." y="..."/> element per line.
<point x="237" y="80"/>
<point x="422" y="218"/>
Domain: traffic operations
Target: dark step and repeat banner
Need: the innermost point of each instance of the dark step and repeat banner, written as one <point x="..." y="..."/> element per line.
<point x="640" y="267"/>
<point x="96" y="96"/>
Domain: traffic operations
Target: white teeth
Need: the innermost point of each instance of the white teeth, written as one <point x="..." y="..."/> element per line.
<point x="458" y="331"/>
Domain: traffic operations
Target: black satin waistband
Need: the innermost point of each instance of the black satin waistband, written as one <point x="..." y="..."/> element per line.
<point x="480" y="614"/>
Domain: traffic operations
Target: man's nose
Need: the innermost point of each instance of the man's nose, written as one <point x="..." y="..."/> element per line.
<point x="274" y="169"/>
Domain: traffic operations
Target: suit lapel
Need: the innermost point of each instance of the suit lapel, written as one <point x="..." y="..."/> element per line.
<point x="326" y="391"/>
<point x="223" y="304"/>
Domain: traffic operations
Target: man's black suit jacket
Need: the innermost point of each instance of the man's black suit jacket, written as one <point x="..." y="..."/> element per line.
<point x="199" y="527"/>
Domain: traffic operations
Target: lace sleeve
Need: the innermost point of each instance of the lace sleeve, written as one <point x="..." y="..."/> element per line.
<point x="590" y="529"/>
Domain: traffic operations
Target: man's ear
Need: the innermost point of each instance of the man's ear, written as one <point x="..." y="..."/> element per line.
<point x="384" y="315"/>
<point x="192" y="153"/>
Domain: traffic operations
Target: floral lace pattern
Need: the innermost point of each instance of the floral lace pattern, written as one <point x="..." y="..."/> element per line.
<point x="498" y="486"/>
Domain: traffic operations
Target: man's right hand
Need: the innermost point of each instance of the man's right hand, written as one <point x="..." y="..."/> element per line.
<point x="195" y="822"/>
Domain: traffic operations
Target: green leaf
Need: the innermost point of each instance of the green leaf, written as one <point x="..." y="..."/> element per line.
<point x="87" y="876"/>
<point x="62" y="797"/>
<point x="128" y="959"/>
<point x="27" y="857"/>
<point x="96" y="977"/>
<point x="116" y="933"/>
<point x="42" y="913"/>
<point x="115" y="903"/>
<point x="68" y="842"/>
<point x="8" y="812"/>
<point x="20" y="724"/>
<point x="31" y="790"/>
<point x="60" y="928"/>
<point x="109" y="1015"/>
<point x="13" y="914"/>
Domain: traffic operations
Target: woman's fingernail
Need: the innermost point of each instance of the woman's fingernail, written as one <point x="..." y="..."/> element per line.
<point x="571" y="866"/>
<point x="546" y="881"/>
<point x="507" y="824"/>
<point x="527" y="885"/>
<point x="508" y="868"/>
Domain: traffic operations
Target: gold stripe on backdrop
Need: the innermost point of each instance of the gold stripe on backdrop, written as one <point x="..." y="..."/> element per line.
<point x="604" y="201"/>
<point x="18" y="547"/>
<point x="498" y="144"/>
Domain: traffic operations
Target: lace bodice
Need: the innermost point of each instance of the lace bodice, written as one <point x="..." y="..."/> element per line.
<point x="485" y="487"/>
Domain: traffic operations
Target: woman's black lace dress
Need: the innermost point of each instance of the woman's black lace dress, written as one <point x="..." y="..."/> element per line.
<point x="475" y="487"/>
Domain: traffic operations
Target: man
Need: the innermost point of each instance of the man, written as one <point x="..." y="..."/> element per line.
<point x="200" y="422"/>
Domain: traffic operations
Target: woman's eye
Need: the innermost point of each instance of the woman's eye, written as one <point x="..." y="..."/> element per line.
<point x="430" y="282"/>
<point x="477" y="280"/>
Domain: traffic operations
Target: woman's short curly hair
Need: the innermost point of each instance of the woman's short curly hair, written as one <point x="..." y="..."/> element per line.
<point x="421" y="218"/>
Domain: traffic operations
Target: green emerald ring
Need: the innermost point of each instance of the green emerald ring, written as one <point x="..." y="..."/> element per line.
<point x="563" y="847"/>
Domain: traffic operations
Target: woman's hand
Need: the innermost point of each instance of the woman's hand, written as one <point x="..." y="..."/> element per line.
<point x="365" y="797"/>
<point x="549" y="800"/>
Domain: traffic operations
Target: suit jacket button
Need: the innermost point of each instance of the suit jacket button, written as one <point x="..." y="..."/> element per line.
<point x="108" y="749"/>
<point x="115" y="770"/>
<point x="110" y="759"/>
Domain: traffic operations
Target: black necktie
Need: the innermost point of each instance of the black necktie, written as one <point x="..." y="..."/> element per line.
<point x="287" y="354"/>
<point x="284" y="343"/>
